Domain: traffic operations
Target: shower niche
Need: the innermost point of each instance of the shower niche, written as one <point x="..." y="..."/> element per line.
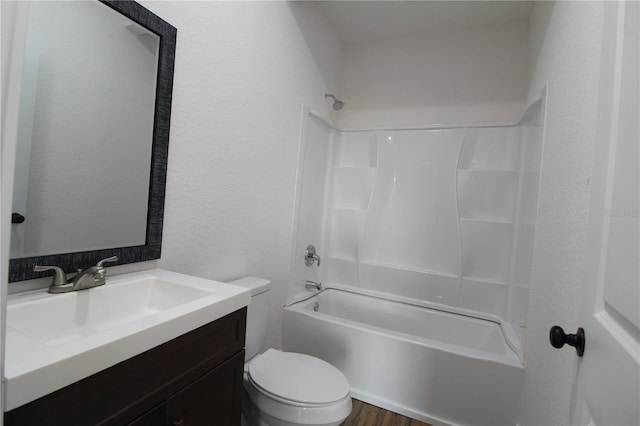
<point x="438" y="217"/>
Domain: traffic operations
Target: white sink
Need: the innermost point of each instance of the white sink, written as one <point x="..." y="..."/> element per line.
<point x="80" y="314"/>
<point x="55" y="340"/>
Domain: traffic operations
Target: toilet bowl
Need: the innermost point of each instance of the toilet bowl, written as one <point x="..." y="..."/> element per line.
<point x="295" y="389"/>
<point x="286" y="388"/>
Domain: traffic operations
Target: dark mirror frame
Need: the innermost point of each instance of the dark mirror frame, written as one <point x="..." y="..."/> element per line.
<point x="22" y="269"/>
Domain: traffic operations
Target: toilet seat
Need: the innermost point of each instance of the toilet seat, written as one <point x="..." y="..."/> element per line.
<point x="297" y="389"/>
<point x="297" y="378"/>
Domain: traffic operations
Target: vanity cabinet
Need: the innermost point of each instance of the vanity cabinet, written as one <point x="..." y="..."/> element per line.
<point x="210" y="400"/>
<point x="192" y="380"/>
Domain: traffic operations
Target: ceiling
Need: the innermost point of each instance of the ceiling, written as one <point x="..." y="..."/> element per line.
<point x="358" y="21"/>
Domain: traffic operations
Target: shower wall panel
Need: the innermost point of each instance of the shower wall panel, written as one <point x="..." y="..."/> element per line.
<point x="410" y="238"/>
<point x="353" y="172"/>
<point x="314" y="167"/>
<point x="438" y="215"/>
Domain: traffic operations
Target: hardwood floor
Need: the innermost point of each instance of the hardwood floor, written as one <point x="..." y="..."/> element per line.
<point x="364" y="414"/>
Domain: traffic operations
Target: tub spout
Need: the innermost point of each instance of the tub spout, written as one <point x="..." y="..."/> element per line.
<point x="312" y="285"/>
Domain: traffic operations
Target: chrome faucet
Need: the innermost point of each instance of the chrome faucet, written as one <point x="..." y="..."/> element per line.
<point x="310" y="256"/>
<point x="312" y="285"/>
<point x="90" y="277"/>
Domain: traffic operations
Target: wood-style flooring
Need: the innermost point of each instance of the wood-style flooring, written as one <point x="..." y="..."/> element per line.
<point x="364" y="414"/>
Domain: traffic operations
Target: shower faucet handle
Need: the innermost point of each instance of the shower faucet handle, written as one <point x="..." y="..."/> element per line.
<point x="310" y="256"/>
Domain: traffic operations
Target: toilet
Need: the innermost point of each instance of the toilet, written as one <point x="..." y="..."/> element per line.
<point x="286" y="388"/>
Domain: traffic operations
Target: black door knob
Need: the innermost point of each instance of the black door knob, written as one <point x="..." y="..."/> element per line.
<point x="558" y="339"/>
<point x="17" y="218"/>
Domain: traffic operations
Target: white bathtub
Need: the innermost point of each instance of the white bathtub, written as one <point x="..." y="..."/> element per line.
<point x="430" y="365"/>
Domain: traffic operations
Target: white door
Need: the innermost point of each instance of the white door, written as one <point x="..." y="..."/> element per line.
<point x="608" y="385"/>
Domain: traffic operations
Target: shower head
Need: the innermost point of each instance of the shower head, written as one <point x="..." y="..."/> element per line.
<point x="337" y="103"/>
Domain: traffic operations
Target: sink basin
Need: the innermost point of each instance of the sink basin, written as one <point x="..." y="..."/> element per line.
<point x="55" y="340"/>
<point x="84" y="313"/>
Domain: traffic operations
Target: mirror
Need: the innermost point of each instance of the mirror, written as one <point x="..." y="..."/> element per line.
<point x="93" y="136"/>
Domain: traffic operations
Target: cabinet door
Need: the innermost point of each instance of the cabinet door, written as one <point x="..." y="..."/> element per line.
<point x="157" y="416"/>
<point x="213" y="399"/>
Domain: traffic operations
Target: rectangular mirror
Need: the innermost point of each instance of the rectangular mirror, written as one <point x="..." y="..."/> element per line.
<point x="92" y="137"/>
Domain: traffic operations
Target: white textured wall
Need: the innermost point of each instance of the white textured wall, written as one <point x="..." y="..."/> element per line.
<point x="243" y="72"/>
<point x="460" y="76"/>
<point x="565" y="54"/>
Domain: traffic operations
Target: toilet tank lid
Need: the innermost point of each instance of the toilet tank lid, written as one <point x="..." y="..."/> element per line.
<point x="255" y="284"/>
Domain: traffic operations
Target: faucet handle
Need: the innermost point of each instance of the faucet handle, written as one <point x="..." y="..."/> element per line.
<point x="101" y="263"/>
<point x="59" y="278"/>
<point x="59" y="283"/>
<point x="310" y="256"/>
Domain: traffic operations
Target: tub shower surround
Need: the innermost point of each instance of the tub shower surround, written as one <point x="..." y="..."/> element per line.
<point x="431" y="219"/>
<point x="443" y="215"/>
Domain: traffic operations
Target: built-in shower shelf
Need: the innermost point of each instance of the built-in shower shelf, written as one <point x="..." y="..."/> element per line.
<point x="339" y="258"/>
<point x="408" y="269"/>
<point x="486" y="170"/>
<point x="483" y="280"/>
<point x="352" y="260"/>
<point x="342" y="257"/>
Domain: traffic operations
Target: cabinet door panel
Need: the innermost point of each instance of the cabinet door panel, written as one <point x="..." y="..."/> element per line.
<point x="213" y="399"/>
<point x="155" y="417"/>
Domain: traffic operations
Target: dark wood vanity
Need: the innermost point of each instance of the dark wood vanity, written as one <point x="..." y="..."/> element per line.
<point x="192" y="380"/>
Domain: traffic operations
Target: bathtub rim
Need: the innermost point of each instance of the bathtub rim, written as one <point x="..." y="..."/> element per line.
<point x="421" y="303"/>
<point x="512" y="359"/>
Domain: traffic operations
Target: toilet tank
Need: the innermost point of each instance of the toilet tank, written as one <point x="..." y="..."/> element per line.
<point x="257" y="313"/>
